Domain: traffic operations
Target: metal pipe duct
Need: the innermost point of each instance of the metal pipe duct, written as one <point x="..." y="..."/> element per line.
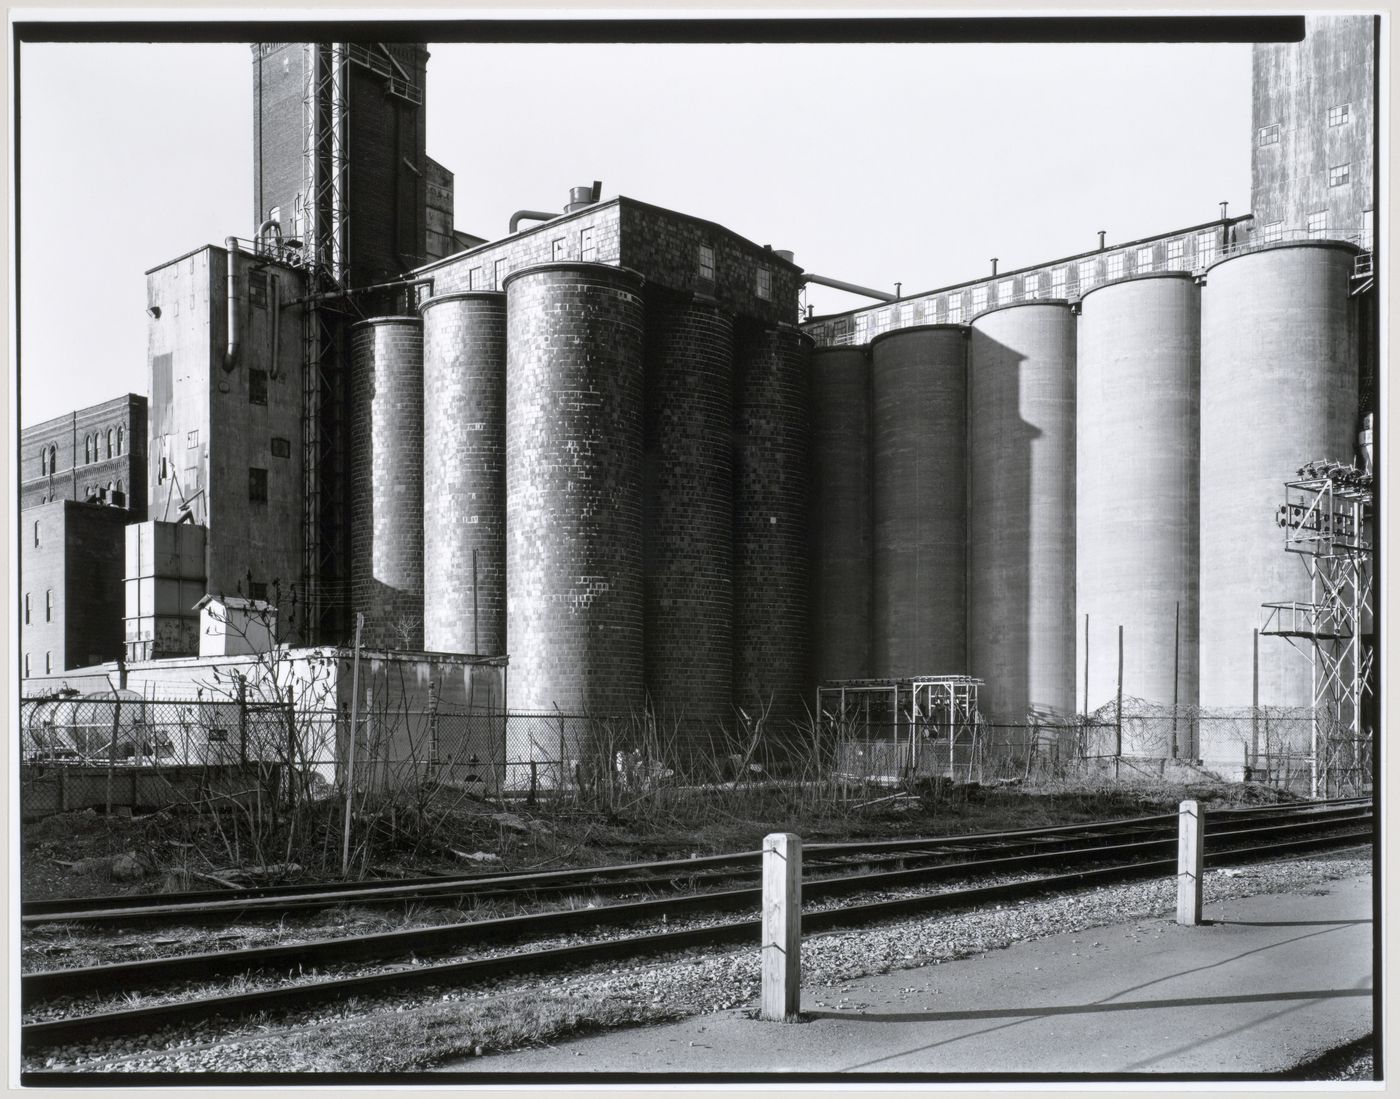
<point x="533" y="215"/>
<point x="231" y="303"/>
<point x="849" y="287"/>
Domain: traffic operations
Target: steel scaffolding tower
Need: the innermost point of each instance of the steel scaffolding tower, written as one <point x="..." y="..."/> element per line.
<point x="1326" y="521"/>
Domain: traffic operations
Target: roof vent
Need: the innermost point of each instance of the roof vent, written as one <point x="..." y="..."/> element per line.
<point x="579" y="197"/>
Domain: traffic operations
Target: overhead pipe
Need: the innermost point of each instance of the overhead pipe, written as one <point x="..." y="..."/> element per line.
<point x="849" y="287"/>
<point x="534" y="215"/>
<point x="231" y="303"/>
<point x="273" y="224"/>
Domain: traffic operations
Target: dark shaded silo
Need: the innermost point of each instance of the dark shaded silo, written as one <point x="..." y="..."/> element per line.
<point x="464" y="473"/>
<point x="689" y="509"/>
<point x="386" y="480"/>
<point x="574" y="350"/>
<point x="842" y="545"/>
<point x="772" y="470"/>
<point x="919" y="396"/>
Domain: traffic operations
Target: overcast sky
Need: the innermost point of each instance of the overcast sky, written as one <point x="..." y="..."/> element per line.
<point x="874" y="164"/>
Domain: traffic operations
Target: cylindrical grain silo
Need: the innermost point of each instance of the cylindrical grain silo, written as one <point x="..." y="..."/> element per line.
<point x="772" y="469"/>
<point x="842" y="537"/>
<point x="1138" y="503"/>
<point x="919" y="396"/>
<point x="574" y="352"/>
<point x="1021" y="510"/>
<point x="464" y="473"/>
<point x="386" y="480"/>
<point x="1278" y="388"/>
<point x="689" y="512"/>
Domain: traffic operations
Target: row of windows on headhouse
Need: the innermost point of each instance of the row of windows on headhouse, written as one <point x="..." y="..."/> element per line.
<point x="1338" y="115"/>
<point x="588" y="252"/>
<point x="92" y="449"/>
<point x="48" y="664"/>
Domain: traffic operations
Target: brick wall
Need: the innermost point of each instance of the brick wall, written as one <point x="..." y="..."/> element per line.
<point x="464" y="473"/>
<point x="93" y="448"/>
<point x="574" y="466"/>
<point x="386" y="481"/>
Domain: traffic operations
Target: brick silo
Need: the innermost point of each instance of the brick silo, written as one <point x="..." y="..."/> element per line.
<point x="689" y="509"/>
<point x="464" y="473"/>
<point x="386" y="480"/>
<point x="771" y="476"/>
<point x="842" y="539"/>
<point x="574" y="349"/>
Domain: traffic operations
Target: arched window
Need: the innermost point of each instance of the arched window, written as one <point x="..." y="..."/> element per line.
<point x="121" y="439"/>
<point x="87" y="449"/>
<point x="109" y="442"/>
<point x="53" y="459"/>
<point x="123" y="492"/>
<point x="26" y="608"/>
<point x="48" y="605"/>
<point x="43" y="462"/>
<point x="111" y="487"/>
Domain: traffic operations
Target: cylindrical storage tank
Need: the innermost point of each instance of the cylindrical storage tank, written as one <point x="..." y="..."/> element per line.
<point x="1021" y="508"/>
<point x="1138" y="502"/>
<point x="919" y="387"/>
<point x="842" y="536"/>
<point x="574" y="349"/>
<point x="464" y="473"/>
<point x="772" y="470"/>
<point x="386" y="480"/>
<point x="1279" y="376"/>
<point x="688" y="579"/>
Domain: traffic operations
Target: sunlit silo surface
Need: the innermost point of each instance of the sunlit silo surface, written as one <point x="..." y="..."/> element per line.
<point x="919" y="401"/>
<point x="772" y="472"/>
<point x="464" y="473"/>
<point x="574" y="509"/>
<point x="1278" y="388"/>
<point x="689" y="537"/>
<point x="842" y="545"/>
<point x="1136" y="467"/>
<point x="1021" y="503"/>
<point x="386" y="480"/>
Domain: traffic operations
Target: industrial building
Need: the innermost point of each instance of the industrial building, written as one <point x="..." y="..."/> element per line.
<point x="607" y="447"/>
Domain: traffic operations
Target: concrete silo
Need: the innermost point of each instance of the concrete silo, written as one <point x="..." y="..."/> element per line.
<point x="689" y="511"/>
<point x="386" y="480"/>
<point x="1278" y="388"/>
<point x="1138" y="503"/>
<point x="842" y="545"/>
<point x="1021" y="507"/>
<point x="772" y="467"/>
<point x="464" y="473"/>
<point x="574" y="352"/>
<point x="919" y="398"/>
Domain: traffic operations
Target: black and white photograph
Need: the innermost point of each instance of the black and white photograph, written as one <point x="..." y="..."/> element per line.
<point x="562" y="549"/>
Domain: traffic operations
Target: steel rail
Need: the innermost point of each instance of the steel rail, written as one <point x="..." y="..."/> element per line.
<point x="439" y="939"/>
<point x="135" y="1020"/>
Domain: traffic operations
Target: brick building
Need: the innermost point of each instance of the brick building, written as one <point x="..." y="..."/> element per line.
<point x="96" y="453"/>
<point x="71" y="563"/>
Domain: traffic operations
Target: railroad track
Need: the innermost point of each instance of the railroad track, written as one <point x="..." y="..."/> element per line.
<point x="1140" y="849"/>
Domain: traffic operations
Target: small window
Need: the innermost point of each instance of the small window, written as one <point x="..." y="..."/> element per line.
<point x="1058" y="278"/>
<point x="164" y="471"/>
<point x="1339" y="175"/>
<point x="110" y="435"/>
<point x="26" y="608"/>
<point x="1142" y="263"/>
<point x="882" y="321"/>
<point x="281" y="448"/>
<point x="257" y="387"/>
<point x="1273" y="232"/>
<point x="764" y="288"/>
<point x="705" y="262"/>
<point x="26" y="665"/>
<point x="1268" y="135"/>
<point x="1030" y="286"/>
<point x="1115" y="266"/>
<point x="586" y="249"/>
<point x="87" y="449"/>
<point x="862" y="328"/>
<point x="257" y="485"/>
<point x="1004" y="292"/>
<point x="121" y="440"/>
<point x="1317" y="224"/>
<point x="560" y="249"/>
<point x="930" y="310"/>
<point x="48" y="663"/>
<point x="43" y="462"/>
<point x="955" y="308"/>
<point x="257" y="589"/>
<point x="53" y="459"/>
<point x="218" y="736"/>
<point x="48" y="605"/>
<point x="1205" y="249"/>
<point x="192" y="439"/>
<point x="1176" y="254"/>
<point x="474" y="279"/>
<point x="906" y="314"/>
<point x="1339" y="115"/>
<point x="36" y="533"/>
<point x="1086" y="275"/>
<point x="979" y="298"/>
<point x="499" y="270"/>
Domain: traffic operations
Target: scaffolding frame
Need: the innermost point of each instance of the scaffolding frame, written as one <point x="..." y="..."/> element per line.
<point x="920" y="708"/>
<point x="1325" y="519"/>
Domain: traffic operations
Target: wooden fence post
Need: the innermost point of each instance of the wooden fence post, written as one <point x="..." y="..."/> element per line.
<point x="1190" y="864"/>
<point x="782" y="927"/>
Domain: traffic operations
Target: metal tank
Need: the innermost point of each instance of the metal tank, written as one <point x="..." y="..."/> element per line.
<point x="1279" y="378"/>
<point x="772" y="471"/>
<point x="1137" y="500"/>
<point x="464" y="473"/>
<point x="919" y="397"/>
<point x="689" y="511"/>
<point x="842" y="538"/>
<point x="574" y="353"/>
<point x="386" y="480"/>
<point x="1021" y="510"/>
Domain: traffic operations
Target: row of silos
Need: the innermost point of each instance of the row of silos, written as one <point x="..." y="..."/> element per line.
<point x="1121" y="470"/>
<point x="613" y="487"/>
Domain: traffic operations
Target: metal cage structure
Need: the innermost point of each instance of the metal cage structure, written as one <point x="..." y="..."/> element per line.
<point x="886" y="729"/>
